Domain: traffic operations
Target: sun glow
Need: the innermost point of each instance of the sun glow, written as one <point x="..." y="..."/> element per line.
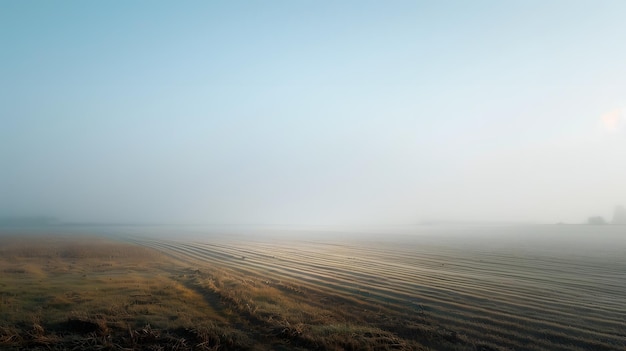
<point x="613" y="121"/>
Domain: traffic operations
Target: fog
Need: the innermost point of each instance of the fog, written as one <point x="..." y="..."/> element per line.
<point x="357" y="114"/>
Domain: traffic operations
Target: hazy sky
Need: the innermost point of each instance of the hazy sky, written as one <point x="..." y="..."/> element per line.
<point x="313" y="112"/>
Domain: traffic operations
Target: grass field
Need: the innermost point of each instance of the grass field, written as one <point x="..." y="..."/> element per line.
<point x="88" y="292"/>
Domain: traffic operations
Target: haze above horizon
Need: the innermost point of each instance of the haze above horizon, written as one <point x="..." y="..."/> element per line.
<point x="313" y="113"/>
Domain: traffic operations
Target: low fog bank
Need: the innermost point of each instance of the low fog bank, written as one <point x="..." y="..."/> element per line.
<point x="560" y="239"/>
<point x="583" y="240"/>
<point x="518" y="239"/>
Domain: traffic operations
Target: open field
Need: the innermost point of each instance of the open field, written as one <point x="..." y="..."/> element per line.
<point x="328" y="293"/>
<point x="91" y="293"/>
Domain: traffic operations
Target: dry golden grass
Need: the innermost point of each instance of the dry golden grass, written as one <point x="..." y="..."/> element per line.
<point x="93" y="293"/>
<point x="90" y="292"/>
<point x="68" y="292"/>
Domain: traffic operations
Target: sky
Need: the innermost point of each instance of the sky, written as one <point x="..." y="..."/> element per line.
<point x="313" y="112"/>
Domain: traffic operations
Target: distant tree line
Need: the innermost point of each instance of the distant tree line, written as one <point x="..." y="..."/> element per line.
<point x="23" y="221"/>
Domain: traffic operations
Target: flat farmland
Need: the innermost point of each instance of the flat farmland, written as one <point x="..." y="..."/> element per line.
<point x="563" y="294"/>
<point x="530" y="288"/>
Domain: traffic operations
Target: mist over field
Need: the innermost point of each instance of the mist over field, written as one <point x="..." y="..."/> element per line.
<point x="300" y="114"/>
<point x="313" y="175"/>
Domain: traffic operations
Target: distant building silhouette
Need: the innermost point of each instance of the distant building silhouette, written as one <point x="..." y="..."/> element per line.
<point x="596" y="220"/>
<point x="619" y="215"/>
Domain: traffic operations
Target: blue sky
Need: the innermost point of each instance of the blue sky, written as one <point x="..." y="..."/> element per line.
<point x="302" y="112"/>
